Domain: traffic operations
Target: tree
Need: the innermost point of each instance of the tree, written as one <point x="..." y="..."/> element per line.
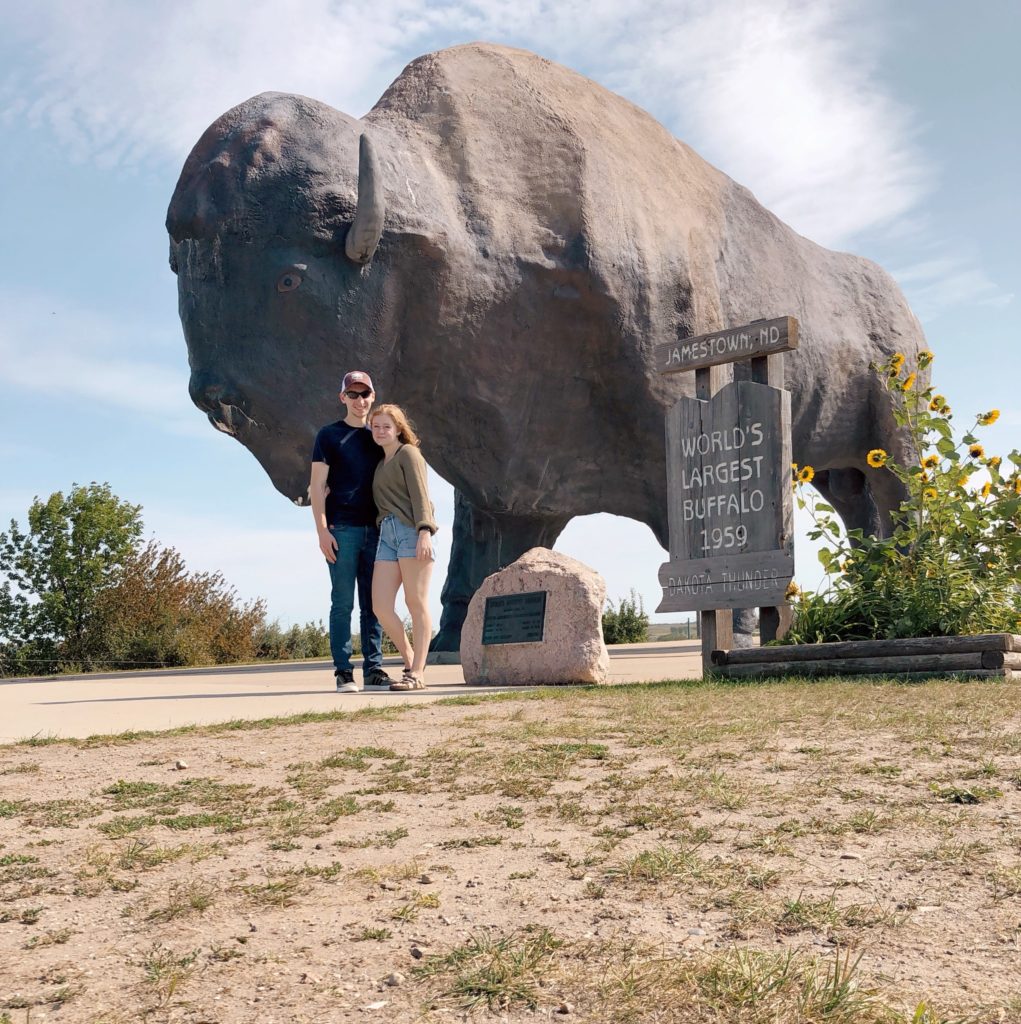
<point x="158" y="613"/>
<point x="627" y="623"/>
<point x="75" y="547"/>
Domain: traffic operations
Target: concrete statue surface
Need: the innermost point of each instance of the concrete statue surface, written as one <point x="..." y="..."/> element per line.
<point x="502" y="244"/>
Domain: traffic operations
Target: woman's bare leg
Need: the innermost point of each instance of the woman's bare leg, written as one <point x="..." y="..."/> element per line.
<point x="416" y="575"/>
<point x="386" y="581"/>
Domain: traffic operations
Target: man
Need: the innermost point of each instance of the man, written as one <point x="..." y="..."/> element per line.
<point x="344" y="460"/>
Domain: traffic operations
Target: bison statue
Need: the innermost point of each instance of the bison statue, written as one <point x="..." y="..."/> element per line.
<point x="502" y="243"/>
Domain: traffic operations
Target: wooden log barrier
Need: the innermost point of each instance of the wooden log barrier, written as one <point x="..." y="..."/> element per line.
<point x="833" y="668"/>
<point x="988" y="655"/>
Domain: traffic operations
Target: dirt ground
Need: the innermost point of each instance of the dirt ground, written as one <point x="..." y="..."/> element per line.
<point x="828" y="852"/>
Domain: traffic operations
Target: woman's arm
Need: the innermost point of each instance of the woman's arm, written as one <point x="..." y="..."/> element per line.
<point x="415" y="479"/>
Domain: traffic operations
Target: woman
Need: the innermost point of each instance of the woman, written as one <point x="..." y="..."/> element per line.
<point x="405" y="553"/>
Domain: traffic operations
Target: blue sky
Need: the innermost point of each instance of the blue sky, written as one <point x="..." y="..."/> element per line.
<point x="889" y="130"/>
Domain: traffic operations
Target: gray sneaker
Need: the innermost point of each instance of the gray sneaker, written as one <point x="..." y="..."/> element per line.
<point x="346" y="681"/>
<point x="376" y="679"/>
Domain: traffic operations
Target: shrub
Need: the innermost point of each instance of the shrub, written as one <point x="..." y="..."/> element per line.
<point x="159" y="613"/>
<point x="274" y="643"/>
<point x="627" y="623"/>
<point x="951" y="565"/>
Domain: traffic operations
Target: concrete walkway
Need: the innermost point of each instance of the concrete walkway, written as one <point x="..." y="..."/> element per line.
<point x="79" y="706"/>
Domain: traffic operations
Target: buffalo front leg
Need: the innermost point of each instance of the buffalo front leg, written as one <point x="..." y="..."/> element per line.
<point x="483" y="543"/>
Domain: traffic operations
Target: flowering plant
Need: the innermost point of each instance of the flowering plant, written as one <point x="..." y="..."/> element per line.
<point x="953" y="563"/>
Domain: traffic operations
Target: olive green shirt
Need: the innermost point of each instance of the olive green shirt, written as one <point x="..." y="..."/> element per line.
<point x="399" y="488"/>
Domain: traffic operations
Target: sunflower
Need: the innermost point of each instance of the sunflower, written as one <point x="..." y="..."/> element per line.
<point x="909" y="382"/>
<point x="937" y="403"/>
<point x="876" y="458"/>
<point x="896" y="363"/>
<point x="792" y="590"/>
<point x="986" y="488"/>
<point x="805" y="475"/>
<point x="930" y="462"/>
<point x="994" y="462"/>
<point x="925" y="358"/>
<point x="963" y="482"/>
<point x="1017" y="485"/>
<point x="930" y="493"/>
<point x="976" y="451"/>
<point x="989" y="417"/>
<point x="944" y="410"/>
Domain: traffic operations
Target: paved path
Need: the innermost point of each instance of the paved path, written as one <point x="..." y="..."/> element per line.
<point x="87" y="705"/>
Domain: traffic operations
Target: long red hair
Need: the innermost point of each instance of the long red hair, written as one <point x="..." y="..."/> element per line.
<point x="405" y="431"/>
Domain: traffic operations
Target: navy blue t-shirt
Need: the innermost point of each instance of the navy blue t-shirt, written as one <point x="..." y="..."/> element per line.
<point x="352" y="462"/>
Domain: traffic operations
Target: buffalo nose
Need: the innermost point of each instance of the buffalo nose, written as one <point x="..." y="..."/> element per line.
<point x="211" y="394"/>
<point x="226" y="407"/>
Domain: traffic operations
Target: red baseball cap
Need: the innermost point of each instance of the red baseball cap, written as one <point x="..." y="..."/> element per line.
<point x="357" y="377"/>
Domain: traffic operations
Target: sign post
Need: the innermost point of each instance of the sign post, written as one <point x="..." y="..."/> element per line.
<point x="730" y="507"/>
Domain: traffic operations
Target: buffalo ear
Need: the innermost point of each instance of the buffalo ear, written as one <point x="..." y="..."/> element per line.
<point x="365" y="232"/>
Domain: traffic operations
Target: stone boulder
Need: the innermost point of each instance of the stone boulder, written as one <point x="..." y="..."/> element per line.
<point x="572" y="648"/>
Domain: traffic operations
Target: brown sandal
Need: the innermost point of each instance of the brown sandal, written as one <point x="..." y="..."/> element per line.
<point x="409" y="681"/>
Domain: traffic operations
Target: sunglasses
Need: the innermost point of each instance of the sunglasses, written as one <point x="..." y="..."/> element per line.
<point x="358" y="394"/>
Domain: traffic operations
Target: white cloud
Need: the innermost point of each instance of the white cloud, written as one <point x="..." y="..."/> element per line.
<point x="942" y="282"/>
<point x="781" y="95"/>
<point x="49" y="347"/>
<point x="784" y="97"/>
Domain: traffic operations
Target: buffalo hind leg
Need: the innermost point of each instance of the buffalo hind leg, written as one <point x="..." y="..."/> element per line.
<point x="849" y="493"/>
<point x="484" y="542"/>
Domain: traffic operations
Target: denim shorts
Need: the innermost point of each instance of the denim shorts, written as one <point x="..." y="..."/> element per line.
<point x="395" y="540"/>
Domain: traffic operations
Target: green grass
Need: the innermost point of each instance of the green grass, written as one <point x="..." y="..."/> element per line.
<point x="499" y="972"/>
<point x="165" y="972"/>
<point x="183" y="899"/>
<point x="382" y="712"/>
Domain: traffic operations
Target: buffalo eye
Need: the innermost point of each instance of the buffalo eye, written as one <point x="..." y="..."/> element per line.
<point x="289" y="280"/>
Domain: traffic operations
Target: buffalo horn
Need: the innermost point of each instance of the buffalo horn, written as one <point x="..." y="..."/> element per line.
<point x="364" y="234"/>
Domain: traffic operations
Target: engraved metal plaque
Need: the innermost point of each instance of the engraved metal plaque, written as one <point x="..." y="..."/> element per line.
<point x="514" y="619"/>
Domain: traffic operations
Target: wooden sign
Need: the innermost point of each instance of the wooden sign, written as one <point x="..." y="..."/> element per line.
<point x="730" y="509"/>
<point x="764" y="338"/>
<point x="515" y="618"/>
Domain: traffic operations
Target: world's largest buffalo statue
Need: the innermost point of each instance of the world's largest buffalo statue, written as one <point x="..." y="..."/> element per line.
<point x="502" y="243"/>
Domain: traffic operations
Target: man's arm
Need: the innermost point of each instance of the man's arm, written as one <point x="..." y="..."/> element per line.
<point x="317" y="495"/>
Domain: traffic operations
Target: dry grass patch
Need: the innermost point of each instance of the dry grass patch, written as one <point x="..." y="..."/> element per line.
<point x="738" y="829"/>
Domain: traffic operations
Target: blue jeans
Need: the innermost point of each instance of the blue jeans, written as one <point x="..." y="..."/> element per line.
<point x="356" y="554"/>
